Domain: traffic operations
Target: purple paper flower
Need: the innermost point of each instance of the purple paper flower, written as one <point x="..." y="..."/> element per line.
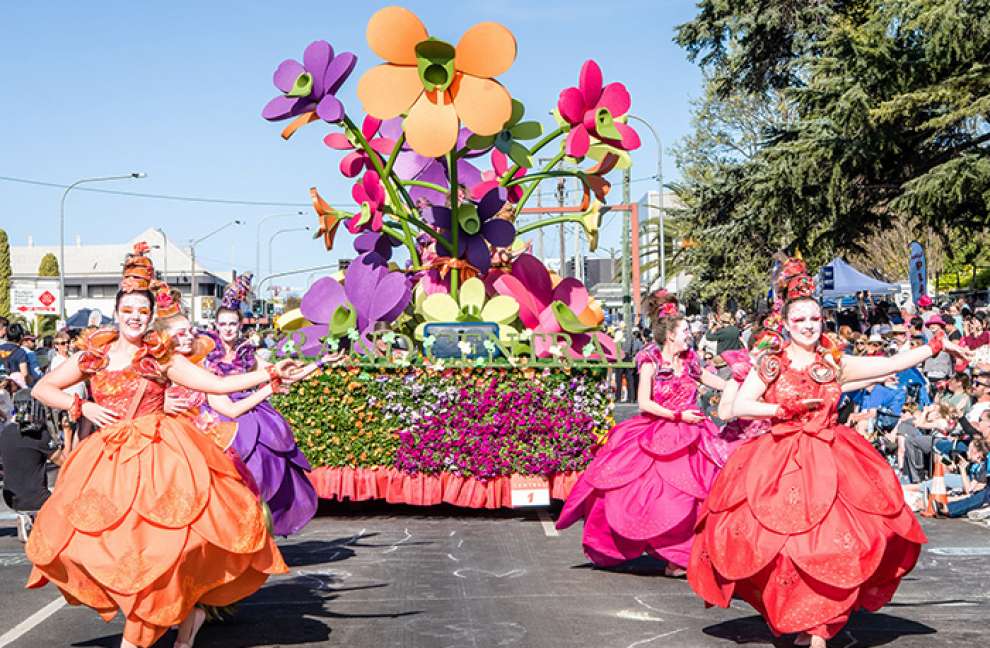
<point x="370" y="294"/>
<point x="311" y="85"/>
<point x="478" y="228"/>
<point x="410" y="165"/>
<point x="376" y="247"/>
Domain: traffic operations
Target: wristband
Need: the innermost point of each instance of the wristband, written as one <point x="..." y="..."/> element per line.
<point x="273" y="378"/>
<point x="75" y="412"/>
<point x="677" y="417"/>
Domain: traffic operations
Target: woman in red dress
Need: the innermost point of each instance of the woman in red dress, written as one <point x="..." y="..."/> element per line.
<point x="806" y="523"/>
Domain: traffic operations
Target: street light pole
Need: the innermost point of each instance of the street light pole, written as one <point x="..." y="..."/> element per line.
<point x="257" y="238"/>
<point x="164" y="251"/>
<point x="270" y="241"/>
<point x="662" y="251"/>
<point x="61" y="229"/>
<point x="192" y="255"/>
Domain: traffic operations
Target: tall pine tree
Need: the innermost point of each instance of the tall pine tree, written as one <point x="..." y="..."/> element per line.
<point x="5" y="272"/>
<point x="48" y="266"/>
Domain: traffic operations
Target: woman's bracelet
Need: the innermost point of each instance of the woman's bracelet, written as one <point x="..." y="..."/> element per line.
<point x="676" y="417"/>
<point x="273" y="378"/>
<point x="75" y="412"/>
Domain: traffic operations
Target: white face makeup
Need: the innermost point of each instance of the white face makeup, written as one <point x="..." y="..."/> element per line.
<point x="228" y="326"/>
<point x="134" y="316"/>
<point x="680" y="337"/>
<point x="804" y="322"/>
<point x="180" y="330"/>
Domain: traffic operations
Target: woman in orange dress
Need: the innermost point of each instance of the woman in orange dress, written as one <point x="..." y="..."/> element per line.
<point x="150" y="517"/>
<point x="806" y="523"/>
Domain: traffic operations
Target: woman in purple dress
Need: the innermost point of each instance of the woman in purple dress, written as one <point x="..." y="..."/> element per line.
<point x="264" y="439"/>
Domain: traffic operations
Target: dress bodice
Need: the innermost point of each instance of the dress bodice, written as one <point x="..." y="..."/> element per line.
<point x="116" y="389"/>
<point x="793" y="385"/>
<point x="677" y="392"/>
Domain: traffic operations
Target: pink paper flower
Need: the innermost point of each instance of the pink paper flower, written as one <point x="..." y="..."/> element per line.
<point x="490" y="179"/>
<point x="358" y="159"/>
<point x="593" y="110"/>
<point x="370" y="195"/>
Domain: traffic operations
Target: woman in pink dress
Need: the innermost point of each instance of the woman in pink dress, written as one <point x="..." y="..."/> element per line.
<point x="643" y="490"/>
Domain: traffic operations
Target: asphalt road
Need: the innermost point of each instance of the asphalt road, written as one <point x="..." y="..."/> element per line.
<point x="388" y="577"/>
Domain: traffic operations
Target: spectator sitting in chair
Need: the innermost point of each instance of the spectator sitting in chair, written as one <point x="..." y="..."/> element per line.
<point x="888" y="396"/>
<point x="965" y="480"/>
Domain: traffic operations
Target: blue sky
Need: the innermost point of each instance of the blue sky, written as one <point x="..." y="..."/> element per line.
<point x="176" y="89"/>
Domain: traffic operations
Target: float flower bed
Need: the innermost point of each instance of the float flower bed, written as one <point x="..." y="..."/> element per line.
<point x="424" y="436"/>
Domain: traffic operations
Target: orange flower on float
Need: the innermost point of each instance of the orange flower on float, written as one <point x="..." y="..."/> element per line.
<point x="328" y="219"/>
<point x="438" y="86"/>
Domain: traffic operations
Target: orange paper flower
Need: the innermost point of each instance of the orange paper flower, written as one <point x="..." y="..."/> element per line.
<point x="435" y="84"/>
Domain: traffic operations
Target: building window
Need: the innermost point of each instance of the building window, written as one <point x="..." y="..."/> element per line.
<point x="72" y="292"/>
<point x="101" y="292"/>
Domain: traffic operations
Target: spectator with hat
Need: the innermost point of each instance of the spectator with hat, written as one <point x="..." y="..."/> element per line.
<point x="939" y="367"/>
<point x="27" y="344"/>
<point x="725" y="334"/>
<point x="12" y="355"/>
<point x="899" y="338"/>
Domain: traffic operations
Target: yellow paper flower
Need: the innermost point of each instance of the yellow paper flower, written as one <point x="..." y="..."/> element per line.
<point x="438" y="86"/>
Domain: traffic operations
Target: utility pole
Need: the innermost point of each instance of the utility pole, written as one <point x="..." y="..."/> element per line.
<point x="539" y="232"/>
<point x="627" y="315"/>
<point x="561" y="186"/>
<point x="578" y="264"/>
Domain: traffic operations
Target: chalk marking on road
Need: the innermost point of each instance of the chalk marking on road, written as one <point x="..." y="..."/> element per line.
<point x="460" y="542"/>
<point x="643" y="642"/>
<point x="8" y="516"/>
<point x="513" y="573"/>
<point x="851" y="643"/>
<point x="453" y="557"/>
<point x="452" y="534"/>
<point x="549" y="529"/>
<point x="13" y="559"/>
<point x="395" y="547"/>
<point x="960" y="551"/>
<point x="27" y="624"/>
<point x="636" y="615"/>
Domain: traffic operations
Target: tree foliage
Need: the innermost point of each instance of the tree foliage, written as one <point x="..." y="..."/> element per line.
<point x="48" y="266"/>
<point x="870" y="113"/>
<point x="5" y="272"/>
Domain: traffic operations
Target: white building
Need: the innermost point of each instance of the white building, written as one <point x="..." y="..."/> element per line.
<point x="92" y="274"/>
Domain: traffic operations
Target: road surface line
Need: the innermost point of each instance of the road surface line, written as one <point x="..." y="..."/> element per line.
<point x="27" y="624"/>
<point x="548" y="527"/>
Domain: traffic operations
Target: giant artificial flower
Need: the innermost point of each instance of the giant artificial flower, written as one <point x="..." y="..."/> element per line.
<point x="370" y="195"/>
<point x="358" y="158"/>
<point x="376" y="247"/>
<point x="506" y="139"/>
<point x="328" y="219"/>
<point x="309" y="88"/>
<point x="410" y="165"/>
<point x="547" y="308"/>
<point x="434" y="83"/>
<point x="491" y="179"/>
<point x="478" y="228"/>
<point x="472" y="305"/>
<point x="591" y="110"/>
<point x="370" y="294"/>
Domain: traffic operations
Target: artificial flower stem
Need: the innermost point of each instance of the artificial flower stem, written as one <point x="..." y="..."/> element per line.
<point x="569" y="218"/>
<point x="408" y="239"/>
<point x="543" y="176"/>
<point x="454" y="194"/>
<point x="535" y="183"/>
<point x="425" y="185"/>
<point x="536" y="147"/>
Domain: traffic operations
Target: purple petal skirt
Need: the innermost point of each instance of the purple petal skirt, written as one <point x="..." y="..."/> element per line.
<point x="264" y="441"/>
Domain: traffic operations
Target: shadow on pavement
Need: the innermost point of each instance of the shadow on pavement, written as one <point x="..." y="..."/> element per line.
<point x="863" y="630"/>
<point x="318" y="552"/>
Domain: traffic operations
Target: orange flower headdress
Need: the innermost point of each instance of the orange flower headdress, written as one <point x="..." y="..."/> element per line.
<point x="139" y="272"/>
<point x="168" y="301"/>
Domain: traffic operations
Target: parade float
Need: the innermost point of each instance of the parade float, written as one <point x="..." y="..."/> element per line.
<point x="472" y="374"/>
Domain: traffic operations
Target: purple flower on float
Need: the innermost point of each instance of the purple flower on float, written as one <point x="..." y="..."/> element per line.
<point x="410" y="165"/>
<point x="376" y="247"/>
<point x="311" y="86"/>
<point x="478" y="228"/>
<point x="370" y="294"/>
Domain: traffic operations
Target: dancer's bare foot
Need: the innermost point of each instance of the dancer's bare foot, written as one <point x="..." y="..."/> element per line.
<point x="189" y="628"/>
<point x="124" y="643"/>
<point x="673" y="571"/>
<point x="817" y="642"/>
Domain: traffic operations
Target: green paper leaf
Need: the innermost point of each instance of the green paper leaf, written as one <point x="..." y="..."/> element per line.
<point x="568" y="320"/>
<point x="527" y="130"/>
<point x="302" y="86"/>
<point x="517" y="113"/>
<point x="478" y="142"/>
<point x="520" y="155"/>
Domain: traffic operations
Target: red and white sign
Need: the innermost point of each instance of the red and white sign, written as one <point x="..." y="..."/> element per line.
<point x="529" y="490"/>
<point x="34" y="301"/>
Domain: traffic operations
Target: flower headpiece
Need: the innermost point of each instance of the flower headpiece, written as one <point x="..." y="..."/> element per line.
<point x="800" y="287"/>
<point x="236" y="292"/>
<point x="168" y="301"/>
<point x="664" y="303"/>
<point x="139" y="272"/>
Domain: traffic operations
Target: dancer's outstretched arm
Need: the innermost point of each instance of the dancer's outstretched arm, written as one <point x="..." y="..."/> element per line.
<point x="862" y="367"/>
<point x="185" y="373"/>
